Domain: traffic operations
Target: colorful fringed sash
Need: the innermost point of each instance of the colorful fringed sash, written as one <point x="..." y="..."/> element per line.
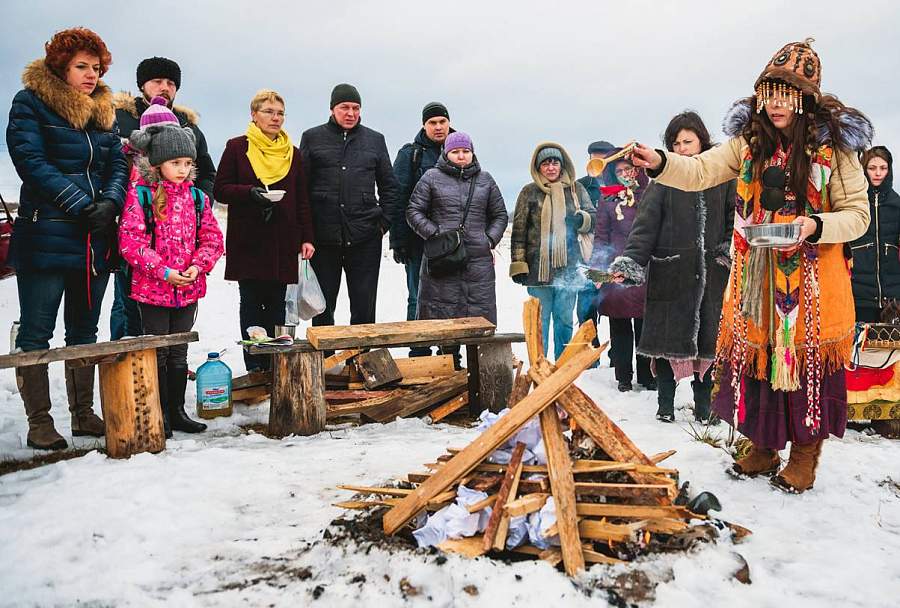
<point x="786" y="318"/>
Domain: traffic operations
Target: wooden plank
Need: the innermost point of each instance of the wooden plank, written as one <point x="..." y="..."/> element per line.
<point x="590" y="509"/>
<point x="250" y="380"/>
<point x="592" y="529"/>
<point x="298" y="394"/>
<point x="377" y="368"/>
<point x="356" y="407"/>
<point x="414" y="401"/>
<point x="490" y="440"/>
<point x="342" y="396"/>
<point x="432" y="367"/>
<point x="534" y="338"/>
<point x="595" y="557"/>
<point x="257" y="400"/>
<point x="375" y="490"/>
<point x="365" y="504"/>
<point x="304" y="346"/>
<point x="579" y="467"/>
<point x="472" y="546"/>
<point x="338" y="358"/>
<point x="336" y="337"/>
<point x="251" y="393"/>
<point x="88" y="352"/>
<point x="622" y="490"/>
<point x="442" y="411"/>
<point x="585" y="335"/>
<point x="129" y="398"/>
<point x="515" y="469"/>
<point x="562" y="485"/>
<point x="481" y="505"/>
<point x="657" y="458"/>
<point x="665" y="526"/>
<point x="526" y="504"/>
<point x="503" y="528"/>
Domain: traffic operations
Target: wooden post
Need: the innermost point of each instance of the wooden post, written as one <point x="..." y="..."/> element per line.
<point x="492" y="378"/>
<point x="298" y="394"/>
<point x="129" y="396"/>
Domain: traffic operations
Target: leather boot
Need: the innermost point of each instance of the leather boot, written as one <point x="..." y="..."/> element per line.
<point x="163" y="381"/>
<point x="34" y="386"/>
<point x="800" y="473"/>
<point x="665" y="399"/>
<point x="759" y="461"/>
<point x="178" y="419"/>
<point x="80" y="390"/>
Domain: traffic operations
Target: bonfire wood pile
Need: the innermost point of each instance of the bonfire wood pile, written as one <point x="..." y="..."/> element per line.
<point x="610" y="498"/>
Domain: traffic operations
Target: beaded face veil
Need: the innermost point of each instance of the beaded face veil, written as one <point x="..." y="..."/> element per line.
<point x="780" y="94"/>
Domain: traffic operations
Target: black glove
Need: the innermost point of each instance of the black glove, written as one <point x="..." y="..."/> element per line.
<point x="401" y="255"/>
<point x="521" y="278"/>
<point x="257" y="195"/>
<point x="100" y="215"/>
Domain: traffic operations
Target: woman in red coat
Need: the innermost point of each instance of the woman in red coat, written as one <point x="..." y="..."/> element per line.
<point x="267" y="230"/>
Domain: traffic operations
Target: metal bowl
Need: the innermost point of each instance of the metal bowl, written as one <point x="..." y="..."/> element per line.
<point x="772" y="235"/>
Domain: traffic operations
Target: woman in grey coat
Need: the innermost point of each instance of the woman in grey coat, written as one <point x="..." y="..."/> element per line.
<point x="436" y="205"/>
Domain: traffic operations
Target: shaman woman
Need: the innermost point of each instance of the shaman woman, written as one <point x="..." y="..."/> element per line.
<point x="781" y="351"/>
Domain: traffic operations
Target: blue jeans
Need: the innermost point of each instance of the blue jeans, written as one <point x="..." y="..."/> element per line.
<point x="125" y="316"/>
<point x="413" y="270"/>
<point x="586" y="308"/>
<point x="558" y="305"/>
<point x="40" y="294"/>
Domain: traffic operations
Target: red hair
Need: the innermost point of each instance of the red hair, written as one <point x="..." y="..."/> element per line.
<point x="66" y="43"/>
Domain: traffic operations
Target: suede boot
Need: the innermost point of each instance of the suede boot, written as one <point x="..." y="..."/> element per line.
<point x="80" y="390"/>
<point x="34" y="386"/>
<point x="759" y="461"/>
<point x="702" y="410"/>
<point x="163" y="381"/>
<point x="178" y="419"/>
<point x="800" y="473"/>
<point x="665" y="399"/>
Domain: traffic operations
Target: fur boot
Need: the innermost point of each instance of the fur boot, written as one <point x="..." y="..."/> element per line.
<point x="759" y="461"/>
<point x="800" y="473"/>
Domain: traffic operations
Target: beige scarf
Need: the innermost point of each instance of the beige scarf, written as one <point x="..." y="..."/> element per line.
<point x="553" y="224"/>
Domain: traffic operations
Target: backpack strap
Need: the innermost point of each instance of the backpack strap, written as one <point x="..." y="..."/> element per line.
<point x="145" y="198"/>
<point x="198" y="196"/>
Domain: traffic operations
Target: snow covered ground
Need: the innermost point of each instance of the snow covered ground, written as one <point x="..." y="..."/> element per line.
<point x="231" y="519"/>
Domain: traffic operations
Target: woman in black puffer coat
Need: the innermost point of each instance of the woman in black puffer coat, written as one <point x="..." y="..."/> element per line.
<point x="876" y="258"/>
<point x="436" y="205"/>
<point x="62" y="141"/>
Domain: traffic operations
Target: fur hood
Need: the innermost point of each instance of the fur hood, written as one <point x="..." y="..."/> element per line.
<point x="77" y="108"/>
<point x="567" y="165"/>
<point x="151" y="175"/>
<point x="123" y="100"/>
<point x="856" y="130"/>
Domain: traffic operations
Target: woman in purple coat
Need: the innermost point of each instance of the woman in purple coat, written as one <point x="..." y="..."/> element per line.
<point x="624" y="306"/>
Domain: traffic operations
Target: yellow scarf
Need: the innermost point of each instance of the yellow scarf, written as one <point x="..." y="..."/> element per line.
<point x="270" y="160"/>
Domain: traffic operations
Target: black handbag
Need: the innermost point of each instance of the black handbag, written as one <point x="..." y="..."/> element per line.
<point x="445" y="252"/>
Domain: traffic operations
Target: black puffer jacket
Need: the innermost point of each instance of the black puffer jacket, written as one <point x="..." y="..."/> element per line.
<point x="344" y="168"/>
<point x="437" y="205"/>
<point x="128" y="117"/>
<point x="67" y="154"/>
<point x="679" y="245"/>
<point x="876" y="259"/>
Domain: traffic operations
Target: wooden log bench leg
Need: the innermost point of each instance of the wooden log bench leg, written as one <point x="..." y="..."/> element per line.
<point x="490" y="368"/>
<point x="129" y="396"/>
<point x="298" y="394"/>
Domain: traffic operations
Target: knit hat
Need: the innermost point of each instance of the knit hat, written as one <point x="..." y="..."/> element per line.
<point x="548" y="152"/>
<point x="158" y="113"/>
<point x="158" y="67"/>
<point x="435" y="108"/>
<point x="164" y="142"/>
<point x="458" y="139"/>
<point x="796" y="64"/>
<point x="600" y="147"/>
<point x="344" y="92"/>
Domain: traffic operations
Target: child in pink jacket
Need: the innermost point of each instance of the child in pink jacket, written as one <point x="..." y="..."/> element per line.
<point x="170" y="254"/>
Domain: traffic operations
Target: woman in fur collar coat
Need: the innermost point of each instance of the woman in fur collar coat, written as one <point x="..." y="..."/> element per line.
<point x="61" y="140"/>
<point x="678" y="236"/>
<point x="781" y="351"/>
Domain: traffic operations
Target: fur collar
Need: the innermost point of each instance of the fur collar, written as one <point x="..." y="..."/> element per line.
<point x="856" y="130"/>
<point x="77" y="108"/>
<point x="124" y="100"/>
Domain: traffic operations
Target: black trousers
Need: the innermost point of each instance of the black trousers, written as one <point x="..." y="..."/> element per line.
<point x="262" y="304"/>
<point x="162" y="321"/>
<point x="624" y="334"/>
<point x="361" y="262"/>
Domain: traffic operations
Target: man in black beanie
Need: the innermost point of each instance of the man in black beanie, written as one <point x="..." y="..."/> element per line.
<point x="413" y="160"/>
<point x="345" y="161"/>
<point x="156" y="76"/>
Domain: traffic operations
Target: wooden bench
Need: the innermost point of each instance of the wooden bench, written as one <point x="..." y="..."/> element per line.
<point x="298" y="379"/>
<point x="129" y="388"/>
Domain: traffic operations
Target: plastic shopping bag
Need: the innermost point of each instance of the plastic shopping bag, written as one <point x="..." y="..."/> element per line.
<point x="305" y="299"/>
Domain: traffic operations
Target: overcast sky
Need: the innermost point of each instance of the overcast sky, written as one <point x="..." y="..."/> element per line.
<point x="512" y="73"/>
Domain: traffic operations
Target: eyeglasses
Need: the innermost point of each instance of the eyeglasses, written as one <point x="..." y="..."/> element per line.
<point x="774" y="180"/>
<point x="271" y="113"/>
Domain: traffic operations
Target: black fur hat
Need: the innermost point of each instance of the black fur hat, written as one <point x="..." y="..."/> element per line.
<point x="158" y="67"/>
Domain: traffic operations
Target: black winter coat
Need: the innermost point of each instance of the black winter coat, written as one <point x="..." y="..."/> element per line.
<point x="343" y="168"/>
<point x="128" y="117"/>
<point x="412" y="161"/>
<point x="437" y="205"/>
<point x="65" y="150"/>
<point x="592" y="186"/>
<point x="876" y="258"/>
<point x="680" y="244"/>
